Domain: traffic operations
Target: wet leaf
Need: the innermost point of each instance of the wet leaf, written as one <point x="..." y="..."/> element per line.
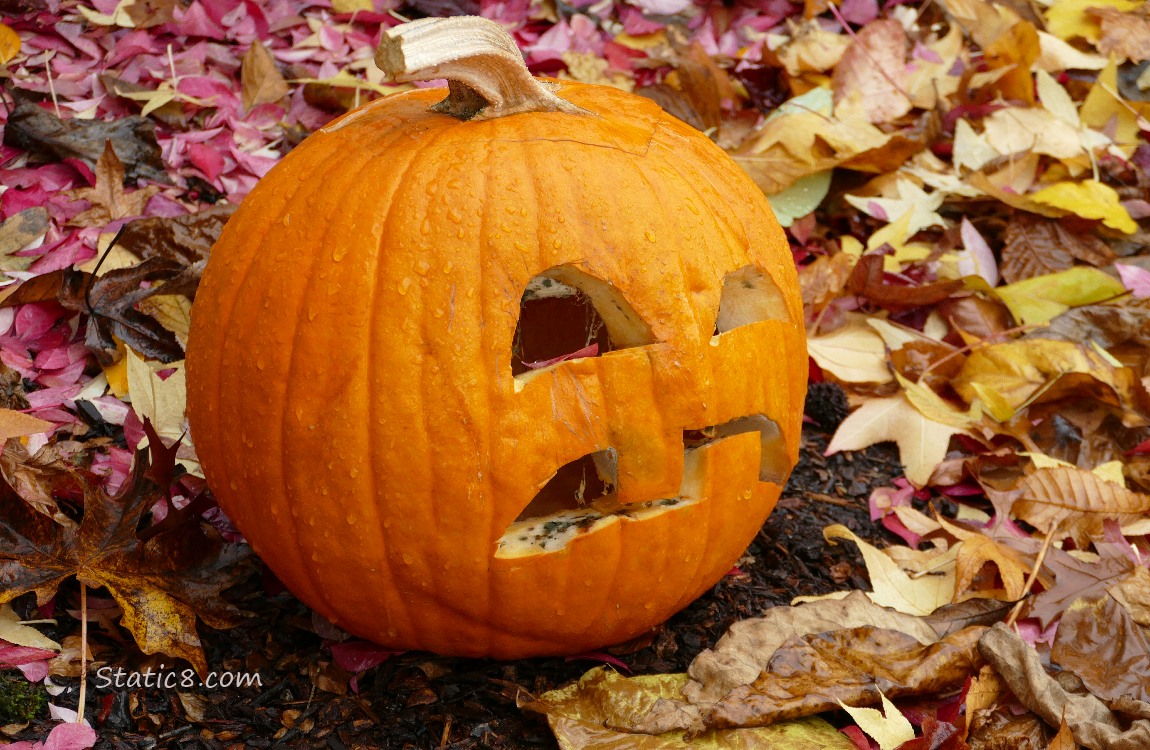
<point x="951" y="618"/>
<point x="746" y="648"/>
<point x="600" y="711"/>
<point x="1091" y="722"/>
<point x="872" y="75"/>
<point x="1041" y="298"/>
<point x="814" y="673"/>
<point x="37" y="130"/>
<point x="1074" y="578"/>
<point x="1102" y="645"/>
<point x="186" y="239"/>
<point x="161" y="584"/>
<point x="976" y="550"/>
<point x="1133" y="593"/>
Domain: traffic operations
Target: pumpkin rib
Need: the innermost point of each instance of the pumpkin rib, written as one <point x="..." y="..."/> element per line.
<point x="394" y="208"/>
<point x="331" y="184"/>
<point x="225" y="326"/>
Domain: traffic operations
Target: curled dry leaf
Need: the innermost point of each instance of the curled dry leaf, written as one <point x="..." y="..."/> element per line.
<point x="746" y="648"/>
<point x="812" y="674"/>
<point x="603" y="708"/>
<point x="1075" y="501"/>
<point x="1093" y="724"/>
<point x="1035" y="246"/>
<point x="893" y="587"/>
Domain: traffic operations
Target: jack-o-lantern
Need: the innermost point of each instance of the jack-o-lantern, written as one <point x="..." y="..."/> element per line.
<point x="520" y="375"/>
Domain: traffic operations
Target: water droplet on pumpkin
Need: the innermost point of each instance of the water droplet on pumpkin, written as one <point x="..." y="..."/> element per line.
<point x="651" y="235"/>
<point x="461" y="233"/>
<point x="339" y="253"/>
<point x="448" y="266"/>
<point x="422" y="267"/>
<point x="455" y="216"/>
<point x="408" y="559"/>
<point x="425" y="227"/>
<point x="311" y="314"/>
<point x="286" y="220"/>
<point x="556" y="244"/>
<point x="353" y="472"/>
<point x="315" y="557"/>
<point x="403" y="285"/>
<point x="692" y="208"/>
<point x="350" y="518"/>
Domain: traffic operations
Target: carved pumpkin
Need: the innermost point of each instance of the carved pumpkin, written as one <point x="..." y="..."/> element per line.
<point x="376" y="383"/>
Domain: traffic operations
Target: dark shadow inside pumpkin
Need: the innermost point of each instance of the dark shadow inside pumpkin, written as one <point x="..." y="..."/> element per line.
<point x="588" y="483"/>
<point x="748" y="296"/>
<point x="567" y="314"/>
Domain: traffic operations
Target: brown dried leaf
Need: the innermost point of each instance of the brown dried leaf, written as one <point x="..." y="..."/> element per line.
<point x="950" y="618"/>
<point x="35" y="129"/>
<point x="976" y="318"/>
<point x="19" y="231"/>
<point x="1133" y="593"/>
<point x="814" y="673"/>
<point x="260" y="78"/>
<point x="1099" y="642"/>
<point x="1075" y="501"/>
<point x="1064" y="740"/>
<point x="872" y="75"/>
<point x="1035" y="246"/>
<point x="108" y="199"/>
<point x="746" y="648"/>
<point x="1091" y="722"/>
<point x="824" y="279"/>
<point x="161" y="584"/>
<point x="185" y="239"/>
<point x="696" y="91"/>
<point x="866" y="280"/>
<point x="1125" y="36"/>
<point x="977" y="550"/>
<point x="1074" y="578"/>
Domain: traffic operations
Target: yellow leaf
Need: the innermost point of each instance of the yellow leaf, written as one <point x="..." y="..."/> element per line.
<point x="159" y="400"/>
<point x="922" y="442"/>
<point x="935" y="408"/>
<point x="889" y="728"/>
<point x="1089" y="199"/>
<point x="9" y="43"/>
<point x="853" y="353"/>
<point x="15" y="632"/>
<point x="1068" y="19"/>
<point x="1057" y="56"/>
<point x="1039" y="299"/>
<point x="976" y="550"/>
<point x="892" y="586"/>
<point x="350" y="6"/>
<point x="1056" y="100"/>
<point x="1103" y="108"/>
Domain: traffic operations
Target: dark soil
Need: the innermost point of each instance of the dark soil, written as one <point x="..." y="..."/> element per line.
<point x="418" y="700"/>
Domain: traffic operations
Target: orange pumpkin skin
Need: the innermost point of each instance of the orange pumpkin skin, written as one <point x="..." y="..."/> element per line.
<point x="350" y="389"/>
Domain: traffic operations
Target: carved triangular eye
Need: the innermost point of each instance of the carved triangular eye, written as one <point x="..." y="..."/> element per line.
<point x="749" y="296"/>
<point x="568" y="314"/>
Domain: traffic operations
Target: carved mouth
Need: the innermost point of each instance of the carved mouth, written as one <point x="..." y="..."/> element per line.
<point x="580" y="499"/>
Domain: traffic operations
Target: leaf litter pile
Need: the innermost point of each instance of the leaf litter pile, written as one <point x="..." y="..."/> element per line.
<point x="961" y="557"/>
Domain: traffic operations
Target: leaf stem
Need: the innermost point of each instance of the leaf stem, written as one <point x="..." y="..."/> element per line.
<point x="1030" y="579"/>
<point x="83" y="651"/>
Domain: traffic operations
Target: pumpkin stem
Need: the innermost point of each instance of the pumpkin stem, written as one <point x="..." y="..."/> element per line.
<point x="485" y="72"/>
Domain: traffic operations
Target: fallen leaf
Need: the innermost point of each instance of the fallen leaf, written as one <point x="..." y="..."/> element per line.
<point x="260" y="79"/>
<point x="1064" y="740"/>
<point x="1035" y="246"/>
<point x="1136" y="279"/>
<point x="1133" y="593"/>
<point x="15" y="424"/>
<point x="1089" y="199"/>
<point x="1125" y="36"/>
<point x="35" y="129"/>
<point x="867" y="280"/>
<point x="976" y="550"/>
<point x="1100" y="644"/>
<point x="853" y="353"/>
<point x="18" y="634"/>
<point x="1037" y="300"/>
<point x="161" y="584"/>
<point x="1075" y="502"/>
<point x="814" y="673"/>
<point x="1091" y="722"/>
<point x="160" y="401"/>
<point x="889" y="728"/>
<point x="69" y="735"/>
<point x="9" y="44"/>
<point x="1074" y="578"/>
<point x="1069" y="19"/>
<point x="599" y="711"/>
<point x="872" y="74"/>
<point x="19" y="231"/>
<point x="108" y="199"/>
<point x="892" y="586"/>
<point x="745" y="649"/>
<point x="922" y="442"/>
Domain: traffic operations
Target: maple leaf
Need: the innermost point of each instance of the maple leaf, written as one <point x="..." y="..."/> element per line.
<point x="161" y="584"/>
<point x="889" y="728"/>
<point x="1074" y="579"/>
<point x="922" y="440"/>
<point x="108" y="199"/>
<point x="892" y="586"/>
<point x="976" y="550"/>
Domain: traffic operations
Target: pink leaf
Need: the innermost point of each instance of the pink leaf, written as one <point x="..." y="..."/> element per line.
<point x="1136" y="279"/>
<point x="587" y="351"/>
<point x="68" y="736"/>
<point x="979" y="259"/>
<point x="357" y="656"/>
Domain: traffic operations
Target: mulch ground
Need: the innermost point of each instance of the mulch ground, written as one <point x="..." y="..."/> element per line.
<point x="418" y="700"/>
